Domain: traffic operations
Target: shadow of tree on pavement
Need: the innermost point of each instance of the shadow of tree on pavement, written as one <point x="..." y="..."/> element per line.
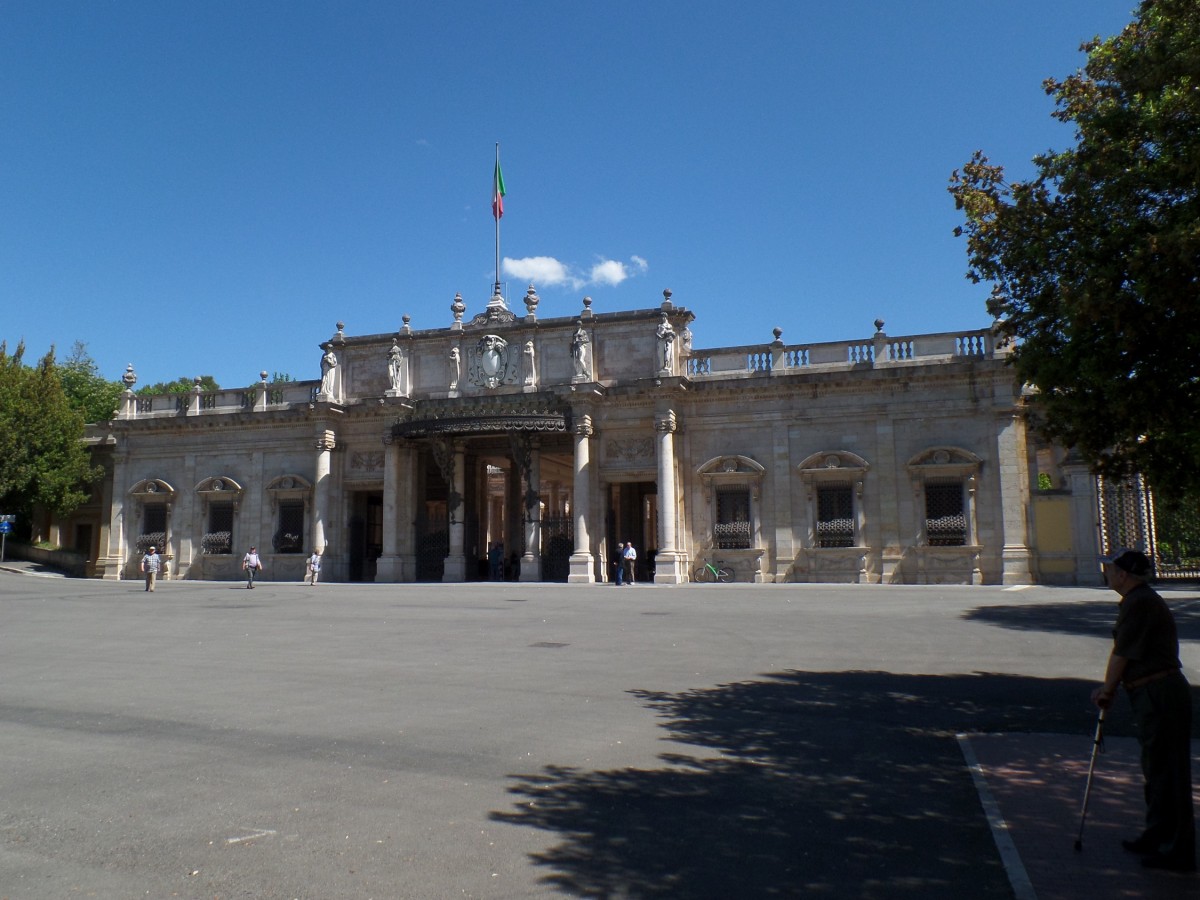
<point x="1089" y="617"/>
<point x="844" y="784"/>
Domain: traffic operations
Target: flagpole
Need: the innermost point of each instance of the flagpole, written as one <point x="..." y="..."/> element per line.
<point x="497" y="218"/>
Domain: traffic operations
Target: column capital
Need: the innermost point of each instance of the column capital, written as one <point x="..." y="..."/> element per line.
<point x="583" y="426"/>
<point x="326" y="441"/>
<point x="666" y="424"/>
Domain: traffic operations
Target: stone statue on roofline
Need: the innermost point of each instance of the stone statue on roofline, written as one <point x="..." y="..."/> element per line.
<point x="581" y="353"/>
<point x="665" y="346"/>
<point x="454" y="364"/>
<point x="329" y="364"/>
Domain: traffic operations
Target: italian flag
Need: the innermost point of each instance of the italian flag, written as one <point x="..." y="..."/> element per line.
<point x="498" y="193"/>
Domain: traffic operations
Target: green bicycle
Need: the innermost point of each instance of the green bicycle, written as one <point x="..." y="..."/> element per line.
<point x="707" y="573"/>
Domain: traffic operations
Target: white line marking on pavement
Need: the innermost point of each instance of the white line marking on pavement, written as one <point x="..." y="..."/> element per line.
<point x="261" y="832"/>
<point x="1017" y="876"/>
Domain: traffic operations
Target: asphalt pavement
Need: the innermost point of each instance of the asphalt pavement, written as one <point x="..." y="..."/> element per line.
<point x="512" y="741"/>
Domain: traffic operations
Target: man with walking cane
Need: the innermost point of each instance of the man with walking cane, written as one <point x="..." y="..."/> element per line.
<point x="1145" y="660"/>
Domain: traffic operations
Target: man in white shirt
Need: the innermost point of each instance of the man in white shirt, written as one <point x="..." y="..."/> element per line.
<point x="150" y="566"/>
<point x="314" y="567"/>
<point x="630" y="556"/>
<point x="250" y="565"/>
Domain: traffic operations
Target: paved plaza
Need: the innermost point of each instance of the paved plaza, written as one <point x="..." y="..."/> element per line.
<point x="513" y="741"/>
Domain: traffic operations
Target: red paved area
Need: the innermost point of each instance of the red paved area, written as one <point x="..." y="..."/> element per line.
<point x="1038" y="780"/>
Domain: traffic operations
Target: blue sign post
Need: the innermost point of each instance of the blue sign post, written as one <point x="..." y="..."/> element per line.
<point x="6" y="523"/>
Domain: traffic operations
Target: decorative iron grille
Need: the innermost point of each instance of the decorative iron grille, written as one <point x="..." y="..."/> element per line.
<point x="835" y="516"/>
<point x="732" y="528"/>
<point x="289" y="537"/>
<point x="218" y="539"/>
<point x="945" y="514"/>
<point x="558" y="543"/>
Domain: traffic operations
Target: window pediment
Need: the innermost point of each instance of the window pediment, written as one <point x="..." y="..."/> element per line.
<point x="833" y="465"/>
<point x="219" y="484"/>
<point x="289" y="486"/>
<point x="731" y="467"/>
<point x="944" y="462"/>
<point x="731" y="471"/>
<point x="151" y="489"/>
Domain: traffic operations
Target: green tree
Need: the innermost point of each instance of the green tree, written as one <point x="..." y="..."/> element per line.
<point x="180" y="385"/>
<point x="43" y="461"/>
<point x="1095" y="261"/>
<point x="94" y="396"/>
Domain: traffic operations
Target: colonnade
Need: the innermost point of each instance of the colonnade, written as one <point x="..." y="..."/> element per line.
<point x="398" y="561"/>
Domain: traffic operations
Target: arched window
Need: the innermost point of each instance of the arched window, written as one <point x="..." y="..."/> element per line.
<point x="220" y="497"/>
<point x="290" y="498"/>
<point x="153" y="499"/>
<point x="944" y="483"/>
<point x="834" y="487"/>
<point x="732" y="485"/>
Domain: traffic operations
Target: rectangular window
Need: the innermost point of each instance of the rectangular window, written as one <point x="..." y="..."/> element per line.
<point x="290" y="536"/>
<point x="945" y="514"/>
<point x="835" y="515"/>
<point x="732" y="528"/>
<point x="218" y="538"/>
<point x="154" y="527"/>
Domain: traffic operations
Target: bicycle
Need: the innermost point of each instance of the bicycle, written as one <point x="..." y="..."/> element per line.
<point x="707" y="573"/>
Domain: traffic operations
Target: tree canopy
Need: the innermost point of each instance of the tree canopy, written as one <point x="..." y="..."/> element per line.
<point x="43" y="461"/>
<point x="181" y="385"/>
<point x="88" y="391"/>
<point x="1095" y="261"/>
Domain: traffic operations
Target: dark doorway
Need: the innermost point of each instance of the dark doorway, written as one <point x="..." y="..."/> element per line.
<point x="633" y="516"/>
<point x="366" y="534"/>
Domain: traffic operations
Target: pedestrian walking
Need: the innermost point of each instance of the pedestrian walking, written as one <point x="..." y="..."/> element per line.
<point x="630" y="558"/>
<point x="496" y="561"/>
<point x="314" y="567"/>
<point x="1145" y="661"/>
<point x="151" y="563"/>
<point x="251" y="565"/>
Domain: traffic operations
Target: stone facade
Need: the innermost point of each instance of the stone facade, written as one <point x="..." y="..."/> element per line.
<point x="547" y="441"/>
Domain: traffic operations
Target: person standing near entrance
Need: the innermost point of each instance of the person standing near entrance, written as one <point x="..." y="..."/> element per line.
<point x="250" y="565"/>
<point x="630" y="558"/>
<point x="619" y="562"/>
<point x="314" y="567"/>
<point x="150" y="566"/>
<point x="1145" y="660"/>
<point x="496" y="561"/>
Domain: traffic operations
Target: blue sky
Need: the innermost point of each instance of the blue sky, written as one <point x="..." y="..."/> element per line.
<point x="207" y="188"/>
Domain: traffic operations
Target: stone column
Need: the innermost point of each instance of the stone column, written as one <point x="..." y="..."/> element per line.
<point x="325" y="443"/>
<point x="406" y="510"/>
<point x="582" y="569"/>
<point x="456" y="562"/>
<point x="669" y="563"/>
<point x="388" y="567"/>
<point x="531" y="562"/>
<point x="1085" y="520"/>
<point x="110" y="564"/>
<point x="1016" y="559"/>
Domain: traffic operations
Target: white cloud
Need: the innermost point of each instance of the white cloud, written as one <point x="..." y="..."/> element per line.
<point x="546" y="271"/>
<point x="608" y="272"/>
<point x="540" y="270"/>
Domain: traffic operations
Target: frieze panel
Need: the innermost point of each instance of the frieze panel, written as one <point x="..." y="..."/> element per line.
<point x="629" y="449"/>
<point x="366" y="461"/>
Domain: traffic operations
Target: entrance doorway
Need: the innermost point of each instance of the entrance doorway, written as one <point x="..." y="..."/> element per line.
<point x="365" y="533"/>
<point x="633" y="516"/>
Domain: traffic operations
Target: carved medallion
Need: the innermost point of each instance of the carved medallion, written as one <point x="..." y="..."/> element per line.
<point x="490" y="365"/>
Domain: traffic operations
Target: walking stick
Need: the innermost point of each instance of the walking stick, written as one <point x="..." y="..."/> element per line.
<point x="1097" y="748"/>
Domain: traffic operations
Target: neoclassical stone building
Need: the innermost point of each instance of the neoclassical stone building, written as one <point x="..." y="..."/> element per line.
<point x="548" y="441"/>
